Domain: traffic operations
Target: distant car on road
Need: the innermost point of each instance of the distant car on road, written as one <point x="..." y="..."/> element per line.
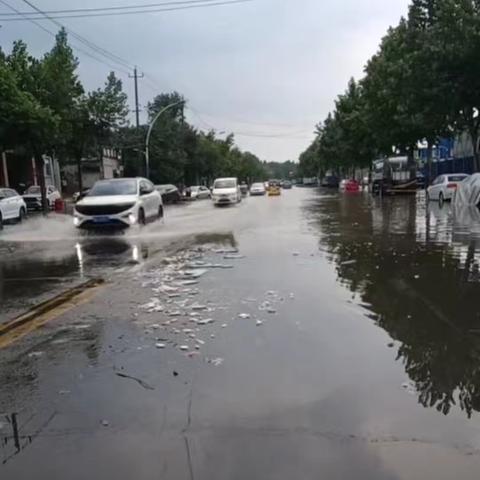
<point x="12" y="206"/>
<point x="33" y="197"/>
<point x="120" y="202"/>
<point x="352" y="186"/>
<point x="257" y="189"/>
<point x="226" y="191"/>
<point x="286" y="184"/>
<point x="244" y="188"/>
<point x="169" y="193"/>
<point x="467" y="192"/>
<point x="200" y="193"/>
<point x="444" y="186"/>
<point x="274" y="189"/>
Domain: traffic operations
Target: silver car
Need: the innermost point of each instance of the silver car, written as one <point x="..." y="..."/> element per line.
<point x="444" y="186"/>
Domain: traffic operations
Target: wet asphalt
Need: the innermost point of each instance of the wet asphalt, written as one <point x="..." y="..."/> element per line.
<point x="340" y="340"/>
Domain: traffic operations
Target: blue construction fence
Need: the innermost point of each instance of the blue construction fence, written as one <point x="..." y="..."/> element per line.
<point x="450" y="165"/>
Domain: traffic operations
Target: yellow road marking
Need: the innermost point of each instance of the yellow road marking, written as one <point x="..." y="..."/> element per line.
<point x="47" y="311"/>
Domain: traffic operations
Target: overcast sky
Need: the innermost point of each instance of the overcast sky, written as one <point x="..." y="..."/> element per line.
<point x="267" y="70"/>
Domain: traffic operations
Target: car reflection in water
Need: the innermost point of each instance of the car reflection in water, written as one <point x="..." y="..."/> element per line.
<point x="418" y="276"/>
<point x="110" y="252"/>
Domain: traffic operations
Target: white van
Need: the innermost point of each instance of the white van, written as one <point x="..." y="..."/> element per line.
<point x="226" y="191"/>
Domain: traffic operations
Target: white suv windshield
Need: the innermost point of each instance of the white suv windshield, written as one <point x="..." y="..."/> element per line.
<point x="113" y="187"/>
<point x="225" y="184"/>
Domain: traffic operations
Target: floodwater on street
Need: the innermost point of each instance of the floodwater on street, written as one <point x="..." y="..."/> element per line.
<point x="314" y="335"/>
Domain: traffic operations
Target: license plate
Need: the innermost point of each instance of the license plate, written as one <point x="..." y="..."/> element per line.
<point x="101" y="219"/>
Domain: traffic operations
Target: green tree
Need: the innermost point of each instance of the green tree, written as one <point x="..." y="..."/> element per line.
<point x="107" y="111"/>
<point x="456" y="34"/>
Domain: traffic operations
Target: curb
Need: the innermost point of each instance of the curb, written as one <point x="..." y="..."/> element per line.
<point x="48" y="305"/>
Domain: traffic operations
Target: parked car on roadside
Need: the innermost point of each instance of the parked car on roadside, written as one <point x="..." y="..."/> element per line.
<point x="467" y="192"/>
<point x="119" y="202"/>
<point x="33" y="197"/>
<point x="330" y="181"/>
<point x="444" y="186"/>
<point x="12" y="206"/>
<point x="286" y="184"/>
<point x="226" y="191"/>
<point x="169" y="193"/>
<point x="79" y="195"/>
<point x="200" y="193"/>
<point x="257" y="189"/>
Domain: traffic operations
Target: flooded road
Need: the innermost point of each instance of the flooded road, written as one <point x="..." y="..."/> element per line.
<point x="340" y="341"/>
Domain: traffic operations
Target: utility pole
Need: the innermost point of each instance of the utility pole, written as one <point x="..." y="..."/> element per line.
<point x="135" y="77"/>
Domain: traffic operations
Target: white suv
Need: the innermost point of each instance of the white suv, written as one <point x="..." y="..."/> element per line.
<point x="226" y="191"/>
<point x="12" y="206"/>
<point x="120" y="202"/>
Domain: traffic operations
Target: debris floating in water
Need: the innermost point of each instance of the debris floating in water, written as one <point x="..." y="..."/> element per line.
<point x="216" y="361"/>
<point x="198" y="307"/>
<point x="233" y="256"/>
<point x="227" y="251"/>
<point x="35" y="354"/>
<point x="197" y="273"/>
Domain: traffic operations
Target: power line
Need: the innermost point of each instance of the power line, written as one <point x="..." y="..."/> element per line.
<point x="88" y="54"/>
<point x="106" y="9"/>
<point x="250" y="122"/>
<point x="133" y="12"/>
<point x="102" y="51"/>
<point x="297" y="134"/>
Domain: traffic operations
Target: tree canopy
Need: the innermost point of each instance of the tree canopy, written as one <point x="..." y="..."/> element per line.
<point x="45" y="109"/>
<point x="421" y="85"/>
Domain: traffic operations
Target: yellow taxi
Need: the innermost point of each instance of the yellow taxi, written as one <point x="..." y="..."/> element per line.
<point x="274" y="189"/>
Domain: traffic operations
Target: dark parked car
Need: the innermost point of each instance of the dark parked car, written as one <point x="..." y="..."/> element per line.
<point x="286" y="184"/>
<point x="330" y="181"/>
<point x="244" y="188"/>
<point x="169" y="193"/>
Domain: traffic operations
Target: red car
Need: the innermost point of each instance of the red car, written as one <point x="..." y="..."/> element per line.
<point x="352" y="186"/>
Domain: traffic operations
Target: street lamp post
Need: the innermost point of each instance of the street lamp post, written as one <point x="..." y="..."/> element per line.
<point x="152" y="123"/>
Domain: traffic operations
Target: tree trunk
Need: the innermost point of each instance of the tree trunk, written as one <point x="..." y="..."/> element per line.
<point x="39" y="163"/>
<point x="79" y="173"/>
<point x="100" y="159"/>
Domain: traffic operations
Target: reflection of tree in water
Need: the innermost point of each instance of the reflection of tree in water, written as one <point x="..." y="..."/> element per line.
<point x="424" y="295"/>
